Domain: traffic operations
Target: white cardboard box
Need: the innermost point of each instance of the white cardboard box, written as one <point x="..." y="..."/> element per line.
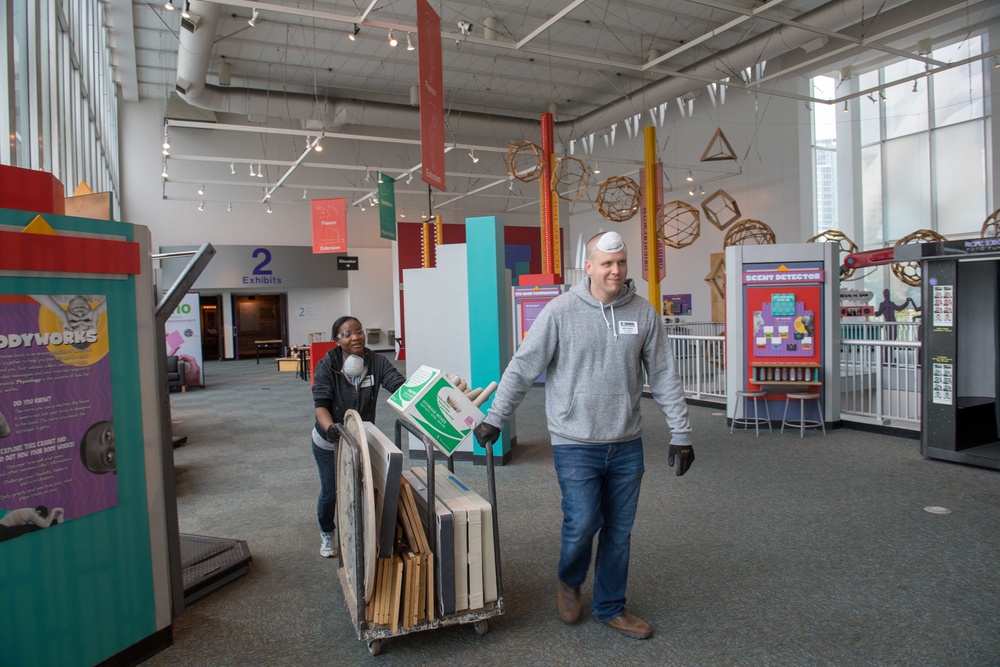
<point x="437" y="408"/>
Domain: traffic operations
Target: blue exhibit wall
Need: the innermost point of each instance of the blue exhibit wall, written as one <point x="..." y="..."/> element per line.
<point x="82" y="591"/>
<point x="489" y="326"/>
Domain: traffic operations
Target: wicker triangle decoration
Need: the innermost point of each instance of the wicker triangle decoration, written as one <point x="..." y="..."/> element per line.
<point x="721" y="147"/>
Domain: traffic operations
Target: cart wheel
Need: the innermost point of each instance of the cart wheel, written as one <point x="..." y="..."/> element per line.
<point x="374" y="646"/>
<point x="481" y="627"/>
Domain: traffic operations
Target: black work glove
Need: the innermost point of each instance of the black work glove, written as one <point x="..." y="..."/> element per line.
<point x="684" y="455"/>
<point x="332" y="434"/>
<point x="486" y="434"/>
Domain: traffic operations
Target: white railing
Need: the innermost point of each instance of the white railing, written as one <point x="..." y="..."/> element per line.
<point x="879" y="376"/>
<point x="880" y="382"/>
<point x="695" y="328"/>
<point x="701" y="364"/>
<point x="903" y="331"/>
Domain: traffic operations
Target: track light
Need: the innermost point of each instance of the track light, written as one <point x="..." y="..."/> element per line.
<point x="169" y="5"/>
<point x="701" y="189"/>
<point x="260" y="170"/>
<point x="691" y="191"/>
<point x="510" y="184"/>
<point x="251" y="170"/>
<point x="269" y="208"/>
<point x="374" y="200"/>
<point x="319" y="145"/>
<point x="409" y="44"/>
<point x="392" y="40"/>
<point x="845" y="106"/>
<point x="690" y="176"/>
<point x="472" y="156"/>
<point x="201" y="189"/>
<point x="164" y="173"/>
<point x="253" y="19"/>
<point x="368" y="175"/>
<point x="915" y="85"/>
<point x="229" y="207"/>
<point x="597" y="167"/>
<point x="881" y="96"/>
<point x="362" y="208"/>
<point x="354" y="35"/>
<point x="232" y="168"/>
<point x="166" y="149"/>
<point x="402" y="213"/>
<point x="380" y="181"/>
<point x="201" y="206"/>
<point x="409" y="178"/>
<point x="186" y="13"/>
<point x="305" y="194"/>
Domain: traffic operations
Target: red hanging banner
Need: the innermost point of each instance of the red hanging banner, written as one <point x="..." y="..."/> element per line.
<point x="329" y="219"/>
<point x="431" y="96"/>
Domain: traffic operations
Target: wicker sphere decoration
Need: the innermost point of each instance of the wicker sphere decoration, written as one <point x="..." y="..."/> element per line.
<point x="721" y="209"/>
<point x="678" y="224"/>
<point x="524" y="161"/>
<point x="847" y="246"/>
<point x="749" y="231"/>
<point x="618" y="198"/>
<point x="571" y="178"/>
<point x="991" y="226"/>
<point x="909" y="272"/>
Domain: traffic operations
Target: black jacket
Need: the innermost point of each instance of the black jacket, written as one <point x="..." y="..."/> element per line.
<point x="335" y="392"/>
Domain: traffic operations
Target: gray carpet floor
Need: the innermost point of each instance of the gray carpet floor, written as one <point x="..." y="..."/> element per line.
<point x="771" y="551"/>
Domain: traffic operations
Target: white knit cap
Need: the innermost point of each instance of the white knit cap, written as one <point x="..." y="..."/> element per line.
<point x="353" y="366"/>
<point x="610" y="242"/>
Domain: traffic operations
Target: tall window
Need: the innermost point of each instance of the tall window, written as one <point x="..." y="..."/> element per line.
<point x="62" y="117"/>
<point x="921" y="160"/>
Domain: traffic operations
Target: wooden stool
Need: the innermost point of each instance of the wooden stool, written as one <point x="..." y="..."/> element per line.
<point x="802" y="423"/>
<point x="756" y="420"/>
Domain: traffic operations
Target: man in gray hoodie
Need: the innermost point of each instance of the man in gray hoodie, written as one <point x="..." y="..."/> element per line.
<point x="593" y="343"/>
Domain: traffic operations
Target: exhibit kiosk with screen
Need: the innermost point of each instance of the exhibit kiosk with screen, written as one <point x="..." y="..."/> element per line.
<point x="960" y="334"/>
<point x="782" y="328"/>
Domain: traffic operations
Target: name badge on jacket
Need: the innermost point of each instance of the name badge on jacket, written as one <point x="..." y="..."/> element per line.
<point x="628" y="327"/>
<point x="367" y="381"/>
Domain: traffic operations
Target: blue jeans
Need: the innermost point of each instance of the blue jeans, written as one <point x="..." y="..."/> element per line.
<point x="600" y="492"/>
<point x="326" y="507"/>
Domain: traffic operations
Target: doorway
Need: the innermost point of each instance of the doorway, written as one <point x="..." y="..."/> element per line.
<point x="211" y="320"/>
<point x="258" y="318"/>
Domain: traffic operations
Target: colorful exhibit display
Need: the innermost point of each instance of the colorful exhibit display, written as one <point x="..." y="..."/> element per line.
<point x="57" y="444"/>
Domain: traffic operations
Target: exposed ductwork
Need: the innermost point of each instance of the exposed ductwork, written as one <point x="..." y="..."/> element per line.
<point x="196" y="46"/>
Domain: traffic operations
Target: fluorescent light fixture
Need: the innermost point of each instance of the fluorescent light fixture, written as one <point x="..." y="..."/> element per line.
<point x="201" y="206"/>
<point x="201" y="189"/>
<point x="409" y="44"/>
<point x="253" y="19"/>
<point x="392" y="40"/>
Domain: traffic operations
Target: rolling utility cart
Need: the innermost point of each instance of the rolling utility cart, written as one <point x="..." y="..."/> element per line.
<point x="356" y="521"/>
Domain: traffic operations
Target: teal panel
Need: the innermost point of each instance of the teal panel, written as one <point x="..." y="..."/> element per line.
<point x="82" y="591"/>
<point x="489" y="327"/>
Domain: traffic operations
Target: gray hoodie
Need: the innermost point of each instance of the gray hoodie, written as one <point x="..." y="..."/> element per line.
<point x="593" y="356"/>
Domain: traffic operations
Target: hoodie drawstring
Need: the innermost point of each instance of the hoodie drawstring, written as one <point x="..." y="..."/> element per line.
<point x="612" y="325"/>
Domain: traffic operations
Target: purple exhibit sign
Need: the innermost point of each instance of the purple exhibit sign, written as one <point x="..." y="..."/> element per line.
<point x="57" y="450"/>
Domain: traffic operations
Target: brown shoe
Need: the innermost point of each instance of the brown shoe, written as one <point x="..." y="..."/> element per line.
<point x="568" y="601"/>
<point x="631" y="626"/>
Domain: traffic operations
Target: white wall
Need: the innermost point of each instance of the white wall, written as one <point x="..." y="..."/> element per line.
<point x="766" y="135"/>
